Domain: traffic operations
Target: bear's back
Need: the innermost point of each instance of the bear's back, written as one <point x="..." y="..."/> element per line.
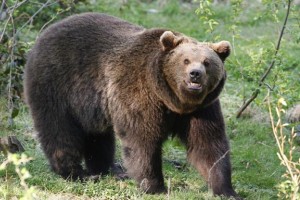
<point x="80" y="36"/>
<point x="75" y="46"/>
<point x="90" y="29"/>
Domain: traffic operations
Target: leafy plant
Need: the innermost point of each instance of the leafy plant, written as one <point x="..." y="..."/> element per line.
<point x="206" y="15"/>
<point x="22" y="20"/>
<point x="19" y="161"/>
<point x="290" y="187"/>
<point x="261" y="81"/>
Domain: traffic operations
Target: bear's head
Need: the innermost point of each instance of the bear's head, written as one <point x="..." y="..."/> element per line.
<point x="192" y="69"/>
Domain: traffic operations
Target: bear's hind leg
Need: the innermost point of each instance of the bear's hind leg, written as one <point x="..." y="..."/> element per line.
<point x="99" y="152"/>
<point x="66" y="162"/>
<point x="62" y="142"/>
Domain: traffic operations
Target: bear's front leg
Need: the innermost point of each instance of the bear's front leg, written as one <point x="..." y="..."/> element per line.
<point x="208" y="148"/>
<point x="142" y="159"/>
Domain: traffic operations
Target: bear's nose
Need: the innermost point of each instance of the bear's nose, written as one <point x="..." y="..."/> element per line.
<point x="195" y="75"/>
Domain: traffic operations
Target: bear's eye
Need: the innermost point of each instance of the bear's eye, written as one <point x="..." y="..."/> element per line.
<point x="206" y="63"/>
<point x="186" y="61"/>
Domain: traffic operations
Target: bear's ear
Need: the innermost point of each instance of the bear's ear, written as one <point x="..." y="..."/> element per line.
<point x="169" y="41"/>
<point x="222" y="48"/>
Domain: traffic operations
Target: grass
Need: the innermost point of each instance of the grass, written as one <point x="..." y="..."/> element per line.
<point x="256" y="168"/>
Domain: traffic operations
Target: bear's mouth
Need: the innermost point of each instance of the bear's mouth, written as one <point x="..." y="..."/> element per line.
<point x="194" y="86"/>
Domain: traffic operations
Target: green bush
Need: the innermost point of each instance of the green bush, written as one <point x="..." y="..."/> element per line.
<point x="21" y="22"/>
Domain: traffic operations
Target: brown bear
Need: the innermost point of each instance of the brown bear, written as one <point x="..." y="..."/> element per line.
<point x="92" y="77"/>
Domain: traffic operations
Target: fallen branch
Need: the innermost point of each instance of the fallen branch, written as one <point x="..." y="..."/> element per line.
<point x="262" y="79"/>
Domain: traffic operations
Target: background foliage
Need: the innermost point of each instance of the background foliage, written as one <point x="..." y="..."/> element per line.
<point x="21" y="22"/>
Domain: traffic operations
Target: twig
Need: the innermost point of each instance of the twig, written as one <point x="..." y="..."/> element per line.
<point x="12" y="58"/>
<point x="48" y="22"/>
<point x="169" y="188"/>
<point x="246" y="104"/>
<point x="48" y="3"/>
<point x="4" y="28"/>
<point x="215" y="163"/>
<point x="262" y="79"/>
<point x="2" y="6"/>
<point x="268" y="86"/>
<point x="10" y="12"/>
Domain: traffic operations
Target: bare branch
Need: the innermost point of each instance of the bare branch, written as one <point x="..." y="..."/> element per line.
<point x="278" y="44"/>
<point x="10" y="12"/>
<point x="246" y="104"/>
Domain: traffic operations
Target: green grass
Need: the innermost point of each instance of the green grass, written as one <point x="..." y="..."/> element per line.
<point x="256" y="168"/>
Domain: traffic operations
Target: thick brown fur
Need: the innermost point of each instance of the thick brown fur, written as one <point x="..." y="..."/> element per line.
<point x="92" y="77"/>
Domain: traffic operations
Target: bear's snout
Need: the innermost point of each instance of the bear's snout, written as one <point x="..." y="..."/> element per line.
<point x="195" y="75"/>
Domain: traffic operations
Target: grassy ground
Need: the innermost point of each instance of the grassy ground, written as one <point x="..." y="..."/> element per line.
<point x="256" y="168"/>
